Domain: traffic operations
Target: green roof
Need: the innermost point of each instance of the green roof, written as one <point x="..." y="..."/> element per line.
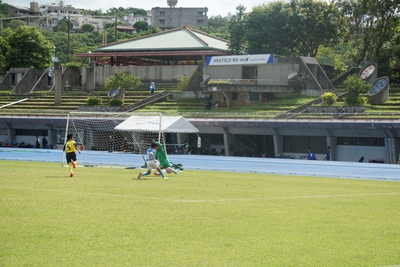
<point x="180" y="39"/>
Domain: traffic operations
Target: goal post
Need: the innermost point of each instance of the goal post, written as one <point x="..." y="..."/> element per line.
<point x="101" y="144"/>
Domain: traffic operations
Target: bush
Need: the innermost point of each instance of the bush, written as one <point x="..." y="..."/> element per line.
<point x="115" y="102"/>
<point x="355" y="86"/>
<point x="183" y="81"/>
<point x="219" y="82"/>
<point x="93" y="101"/>
<point x="329" y="98"/>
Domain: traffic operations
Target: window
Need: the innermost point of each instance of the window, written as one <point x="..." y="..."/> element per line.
<point x="234" y="96"/>
<point x="161" y="21"/>
<point x="300" y="144"/>
<point x="29" y="132"/>
<point x="253" y="96"/>
<point x="360" y="141"/>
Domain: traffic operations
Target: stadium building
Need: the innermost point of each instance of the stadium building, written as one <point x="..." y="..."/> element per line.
<point x="232" y="80"/>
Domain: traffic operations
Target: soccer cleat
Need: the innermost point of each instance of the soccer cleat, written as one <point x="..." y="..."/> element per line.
<point x="165" y="178"/>
<point x="71" y="174"/>
<point x="73" y="164"/>
<point x="140" y="175"/>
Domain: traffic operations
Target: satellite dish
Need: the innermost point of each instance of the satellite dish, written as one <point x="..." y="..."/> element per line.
<point x="379" y="92"/>
<point x="369" y="73"/>
<point x="50" y="74"/>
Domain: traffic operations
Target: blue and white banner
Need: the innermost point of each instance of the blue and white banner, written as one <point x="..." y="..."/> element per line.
<point x="240" y="60"/>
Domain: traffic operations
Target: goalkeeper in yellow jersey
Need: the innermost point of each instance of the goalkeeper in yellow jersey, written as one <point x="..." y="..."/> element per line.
<point x="70" y="147"/>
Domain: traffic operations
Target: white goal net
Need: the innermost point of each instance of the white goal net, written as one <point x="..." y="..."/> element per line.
<point x="102" y="145"/>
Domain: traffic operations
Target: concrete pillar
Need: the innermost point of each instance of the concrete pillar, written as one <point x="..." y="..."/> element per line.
<point x="332" y="142"/>
<point x="278" y="145"/>
<point x="226" y="144"/>
<point x="90" y="77"/>
<point x="391" y="152"/>
<point x="58" y="83"/>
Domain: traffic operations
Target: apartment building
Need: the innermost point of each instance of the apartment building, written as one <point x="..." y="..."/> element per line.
<point x="176" y="17"/>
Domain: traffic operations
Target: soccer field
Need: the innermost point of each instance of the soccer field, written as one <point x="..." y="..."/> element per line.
<point x="106" y="217"/>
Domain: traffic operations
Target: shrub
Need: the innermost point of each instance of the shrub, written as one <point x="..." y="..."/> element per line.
<point x="355" y="86"/>
<point x="93" y="101"/>
<point x="329" y="98"/>
<point x="183" y="81"/>
<point x="115" y="102"/>
<point x="219" y="82"/>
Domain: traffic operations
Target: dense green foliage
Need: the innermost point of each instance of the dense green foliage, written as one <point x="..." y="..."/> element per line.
<point x="294" y="28"/>
<point x="236" y="29"/>
<point x="115" y="102"/>
<point x="87" y="28"/>
<point x="27" y="48"/>
<point x="123" y="81"/>
<point x="93" y="101"/>
<point x="329" y="98"/>
<point x="355" y="87"/>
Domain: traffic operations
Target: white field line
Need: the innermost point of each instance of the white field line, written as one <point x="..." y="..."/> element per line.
<point x="209" y="200"/>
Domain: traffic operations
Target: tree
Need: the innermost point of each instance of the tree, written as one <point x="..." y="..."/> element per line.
<point x="62" y="25"/>
<point x="266" y="30"/>
<point x="3" y="10"/>
<point x="123" y="81"/>
<point x="370" y="24"/>
<point x="217" y="26"/>
<point x="295" y="28"/>
<point x="87" y="27"/>
<point x="141" y="26"/>
<point x="4" y="54"/>
<point x="236" y="29"/>
<point x="314" y="23"/>
<point x="28" y="48"/>
<point x="15" y="24"/>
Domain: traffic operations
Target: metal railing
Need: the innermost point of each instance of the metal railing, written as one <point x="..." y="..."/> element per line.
<point x="234" y="115"/>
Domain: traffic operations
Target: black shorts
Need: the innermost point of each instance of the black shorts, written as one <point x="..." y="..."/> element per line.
<point x="71" y="157"/>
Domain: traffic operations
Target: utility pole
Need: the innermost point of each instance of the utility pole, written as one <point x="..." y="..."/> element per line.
<point x="116" y="33"/>
<point x="69" y="32"/>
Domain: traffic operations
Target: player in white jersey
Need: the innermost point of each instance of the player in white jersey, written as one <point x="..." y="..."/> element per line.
<point x="152" y="163"/>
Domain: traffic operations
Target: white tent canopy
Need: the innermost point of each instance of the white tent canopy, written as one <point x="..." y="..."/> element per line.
<point x="169" y="124"/>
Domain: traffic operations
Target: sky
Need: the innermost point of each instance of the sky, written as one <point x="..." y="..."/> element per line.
<point x="215" y="7"/>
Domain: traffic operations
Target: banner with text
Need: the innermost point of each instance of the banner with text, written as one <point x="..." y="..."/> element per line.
<point x="240" y="60"/>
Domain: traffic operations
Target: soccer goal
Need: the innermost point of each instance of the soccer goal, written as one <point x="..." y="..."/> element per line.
<point x="121" y="139"/>
<point x="101" y="144"/>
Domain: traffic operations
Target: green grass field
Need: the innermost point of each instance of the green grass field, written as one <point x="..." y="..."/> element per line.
<point x="103" y="217"/>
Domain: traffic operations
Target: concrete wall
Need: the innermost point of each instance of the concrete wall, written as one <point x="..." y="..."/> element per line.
<point x="27" y="81"/>
<point x="146" y="73"/>
<point x="71" y="77"/>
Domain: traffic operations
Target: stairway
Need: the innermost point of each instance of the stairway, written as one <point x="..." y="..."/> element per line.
<point x="141" y="103"/>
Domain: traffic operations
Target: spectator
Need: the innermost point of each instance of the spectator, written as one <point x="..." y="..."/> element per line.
<point x="310" y="155"/>
<point x="45" y="143"/>
<point x="152" y="86"/>
<point x="208" y="105"/>
<point x="328" y="154"/>
<point x="37" y="142"/>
